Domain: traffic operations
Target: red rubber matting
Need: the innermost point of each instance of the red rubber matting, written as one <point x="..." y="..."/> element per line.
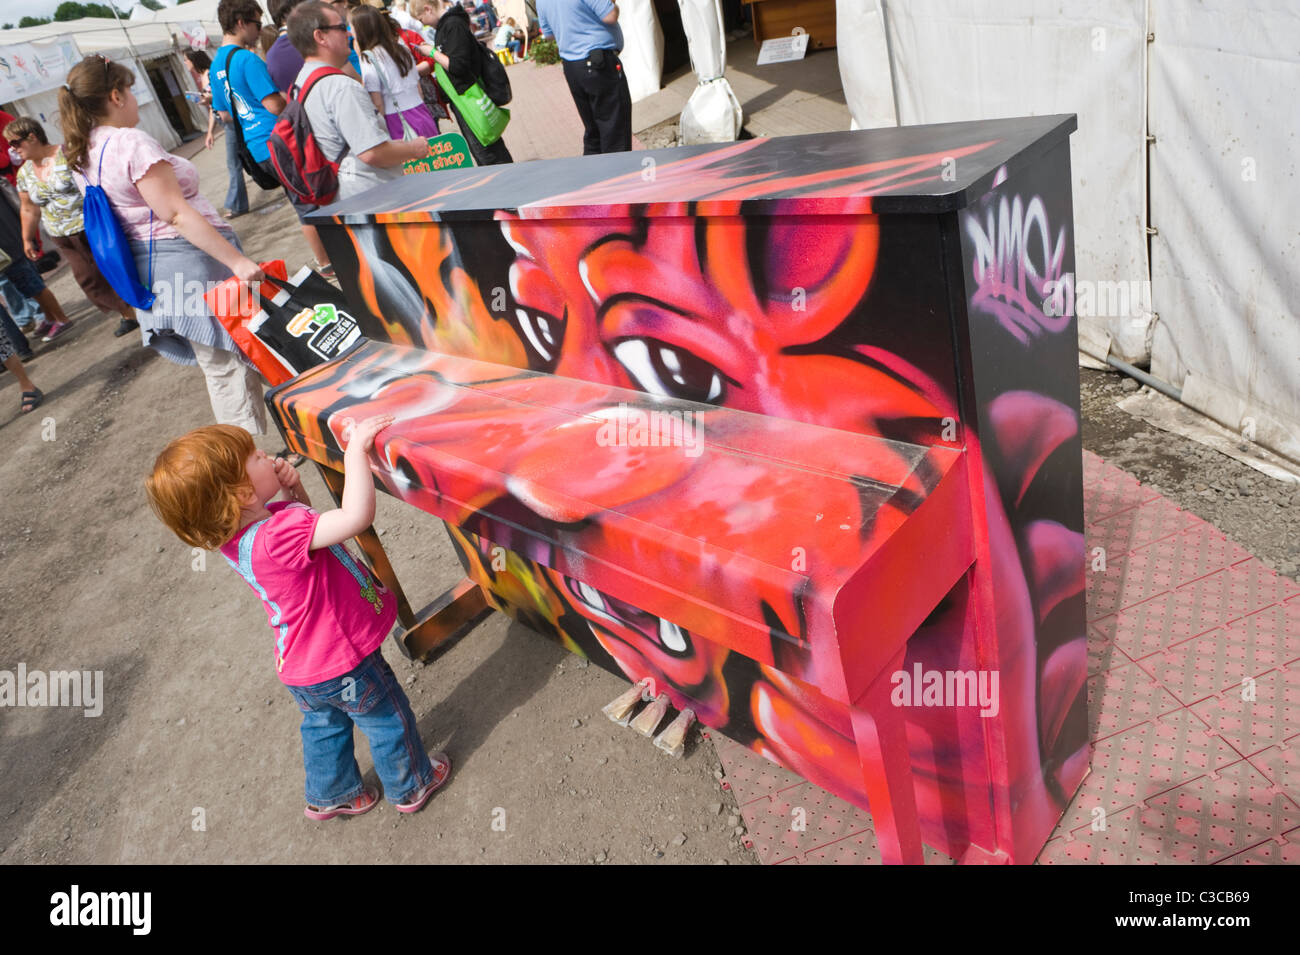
<point x="1193" y="708"/>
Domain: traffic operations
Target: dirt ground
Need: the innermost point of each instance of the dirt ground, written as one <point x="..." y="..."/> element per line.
<point x="196" y="756"/>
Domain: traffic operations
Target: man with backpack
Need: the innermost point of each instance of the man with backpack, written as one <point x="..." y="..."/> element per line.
<point x="258" y="101"/>
<point x="339" y="114"/>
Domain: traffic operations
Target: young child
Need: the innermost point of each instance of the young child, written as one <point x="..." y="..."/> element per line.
<point x="212" y="488"/>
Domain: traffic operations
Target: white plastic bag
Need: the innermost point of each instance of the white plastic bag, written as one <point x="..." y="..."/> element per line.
<point x="712" y="114"/>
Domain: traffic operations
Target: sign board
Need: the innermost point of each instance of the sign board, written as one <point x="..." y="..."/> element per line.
<point x="783" y="49"/>
<point x="448" y="151"/>
<point x="29" y="68"/>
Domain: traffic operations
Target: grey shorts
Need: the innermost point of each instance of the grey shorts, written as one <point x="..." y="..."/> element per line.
<point x="181" y="276"/>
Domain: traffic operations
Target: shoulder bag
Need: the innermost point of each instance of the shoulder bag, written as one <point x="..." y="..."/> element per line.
<point x="251" y="166"/>
<point x="485" y="119"/>
<point x="109" y="245"/>
<point x="407" y="132"/>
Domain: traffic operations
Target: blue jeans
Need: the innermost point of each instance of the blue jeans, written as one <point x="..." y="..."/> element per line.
<point x="23" y="309"/>
<point x="370" y="697"/>
<point x="236" y="193"/>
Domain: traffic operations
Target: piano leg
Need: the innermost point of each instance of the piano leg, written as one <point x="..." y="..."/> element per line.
<point x="446" y="620"/>
<point x="881" y="736"/>
<point x="438" y="625"/>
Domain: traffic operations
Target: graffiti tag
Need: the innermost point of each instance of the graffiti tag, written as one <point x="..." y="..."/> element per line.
<point x="1016" y="264"/>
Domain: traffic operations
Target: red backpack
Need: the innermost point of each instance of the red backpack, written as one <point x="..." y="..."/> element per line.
<point x="299" y="161"/>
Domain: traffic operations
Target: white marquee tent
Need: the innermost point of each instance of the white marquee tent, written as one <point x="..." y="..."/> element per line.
<point x="34" y="61"/>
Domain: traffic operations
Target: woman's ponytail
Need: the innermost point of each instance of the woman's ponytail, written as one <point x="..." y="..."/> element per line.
<point x="83" y="103"/>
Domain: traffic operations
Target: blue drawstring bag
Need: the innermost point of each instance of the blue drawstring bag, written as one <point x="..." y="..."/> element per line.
<point x="110" y="247"/>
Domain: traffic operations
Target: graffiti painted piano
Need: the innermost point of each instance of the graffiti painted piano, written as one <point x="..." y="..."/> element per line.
<point x="789" y="427"/>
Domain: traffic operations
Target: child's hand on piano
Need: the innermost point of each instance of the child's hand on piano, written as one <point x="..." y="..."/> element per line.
<point x="363" y="434"/>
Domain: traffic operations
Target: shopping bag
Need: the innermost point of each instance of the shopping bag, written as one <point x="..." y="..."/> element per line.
<point x="235" y="307"/>
<point x="485" y="119"/>
<point x="305" y="322"/>
<point x="448" y="151"/>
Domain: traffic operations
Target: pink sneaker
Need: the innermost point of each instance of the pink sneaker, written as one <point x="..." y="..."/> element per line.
<point x="362" y="804"/>
<point x="441" y="770"/>
<point x="42" y="329"/>
<point x="57" y="329"/>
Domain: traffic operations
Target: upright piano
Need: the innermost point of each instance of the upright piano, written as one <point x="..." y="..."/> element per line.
<point x="787" y="427"/>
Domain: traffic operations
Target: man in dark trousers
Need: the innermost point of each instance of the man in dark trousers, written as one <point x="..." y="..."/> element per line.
<point x="589" y="38"/>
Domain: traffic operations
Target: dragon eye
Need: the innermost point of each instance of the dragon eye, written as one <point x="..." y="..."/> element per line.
<point x="662" y="369"/>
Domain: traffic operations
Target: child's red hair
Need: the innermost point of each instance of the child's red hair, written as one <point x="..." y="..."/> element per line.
<point x="198" y="482"/>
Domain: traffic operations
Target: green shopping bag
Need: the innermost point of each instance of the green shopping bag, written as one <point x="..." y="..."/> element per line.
<point x="485" y="119"/>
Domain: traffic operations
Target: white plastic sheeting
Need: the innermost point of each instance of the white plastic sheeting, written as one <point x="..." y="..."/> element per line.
<point x="643" y="47"/>
<point x="864" y="63"/>
<point x="712" y="114"/>
<point x="1216" y="86"/>
<point x="44" y="108"/>
<point x="1226" y="204"/>
<point x="203" y="10"/>
<point x="992" y="58"/>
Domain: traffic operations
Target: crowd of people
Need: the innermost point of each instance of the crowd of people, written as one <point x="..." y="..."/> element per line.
<point x="373" y="104"/>
<point x="375" y="109"/>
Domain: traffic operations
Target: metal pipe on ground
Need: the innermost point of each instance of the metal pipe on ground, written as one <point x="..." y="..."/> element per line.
<point x="1137" y="373"/>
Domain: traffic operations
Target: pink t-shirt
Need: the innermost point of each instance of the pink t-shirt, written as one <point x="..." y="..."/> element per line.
<point x="129" y="155"/>
<point x="327" y="612"/>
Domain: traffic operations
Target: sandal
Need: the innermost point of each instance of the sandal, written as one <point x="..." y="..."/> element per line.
<point x="32" y="400"/>
<point x="361" y="804"/>
<point x="441" y="770"/>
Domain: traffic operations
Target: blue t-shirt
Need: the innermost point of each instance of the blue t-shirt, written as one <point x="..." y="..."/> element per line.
<point x="576" y="26"/>
<point x="353" y="59"/>
<point x="251" y="83"/>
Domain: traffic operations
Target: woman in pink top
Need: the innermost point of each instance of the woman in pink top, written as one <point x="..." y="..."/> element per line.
<point x="156" y="199"/>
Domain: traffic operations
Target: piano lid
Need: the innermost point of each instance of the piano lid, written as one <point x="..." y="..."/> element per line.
<point x="907" y="169"/>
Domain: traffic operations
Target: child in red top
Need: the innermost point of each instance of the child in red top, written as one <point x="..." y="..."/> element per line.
<point x="8" y="168"/>
<point x="330" y="616"/>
